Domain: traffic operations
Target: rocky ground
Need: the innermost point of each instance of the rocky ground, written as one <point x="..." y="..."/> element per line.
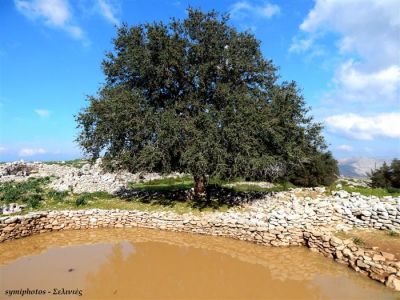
<point x="87" y="179"/>
<point x="299" y="206"/>
<point x="297" y="216"/>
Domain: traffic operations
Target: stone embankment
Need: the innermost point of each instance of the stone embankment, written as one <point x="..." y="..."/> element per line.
<point x="341" y="210"/>
<point x="380" y="266"/>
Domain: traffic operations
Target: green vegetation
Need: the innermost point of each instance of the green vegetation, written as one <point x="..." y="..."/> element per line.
<point x="76" y="163"/>
<point x="358" y="241"/>
<point x="196" y="96"/>
<point x="80" y="201"/>
<point x="393" y="233"/>
<point x="321" y="169"/>
<point x="387" y="177"/>
<point x="165" y="184"/>
<point x="365" y="191"/>
<point x="28" y="192"/>
<point x="37" y="196"/>
<point x="57" y="196"/>
<point x="243" y="187"/>
<point x="167" y="194"/>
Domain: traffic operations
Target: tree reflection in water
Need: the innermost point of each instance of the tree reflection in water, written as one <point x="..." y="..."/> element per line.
<point x="143" y="263"/>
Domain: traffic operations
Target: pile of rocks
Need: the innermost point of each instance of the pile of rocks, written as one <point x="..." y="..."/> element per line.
<point x="342" y="210"/>
<point x="90" y="178"/>
<point x="368" y="212"/>
<point x="11" y="208"/>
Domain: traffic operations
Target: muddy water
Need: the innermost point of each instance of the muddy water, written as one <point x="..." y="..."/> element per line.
<point x="143" y="264"/>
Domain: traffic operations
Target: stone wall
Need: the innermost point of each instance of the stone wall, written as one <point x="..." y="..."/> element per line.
<point x="377" y="265"/>
<point x="368" y="211"/>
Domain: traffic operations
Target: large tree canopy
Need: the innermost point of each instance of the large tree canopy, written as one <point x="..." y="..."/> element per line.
<point x="196" y="96"/>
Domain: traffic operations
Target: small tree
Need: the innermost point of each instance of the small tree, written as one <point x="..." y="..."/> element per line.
<point x="320" y="169"/>
<point x="381" y="177"/>
<point x="395" y="173"/>
<point x="386" y="176"/>
<point x="196" y="96"/>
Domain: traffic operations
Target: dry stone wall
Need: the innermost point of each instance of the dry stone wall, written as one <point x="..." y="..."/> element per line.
<point x="380" y="266"/>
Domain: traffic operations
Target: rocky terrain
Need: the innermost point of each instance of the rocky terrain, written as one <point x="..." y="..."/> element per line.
<point x="300" y="206"/>
<point x="298" y="216"/>
<point x="87" y="179"/>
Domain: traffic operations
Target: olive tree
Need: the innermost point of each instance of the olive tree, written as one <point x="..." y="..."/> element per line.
<point x="196" y="96"/>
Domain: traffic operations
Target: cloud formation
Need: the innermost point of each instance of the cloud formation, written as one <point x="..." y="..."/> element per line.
<point x="365" y="86"/>
<point x="44" y="113"/>
<point x="367" y="45"/>
<point x="27" y="152"/>
<point x="345" y="148"/>
<point x="244" y="9"/>
<point x="354" y="126"/>
<point x="108" y="12"/>
<point x="356" y="85"/>
<point x="54" y="13"/>
<point x="2" y="149"/>
<point x="366" y="27"/>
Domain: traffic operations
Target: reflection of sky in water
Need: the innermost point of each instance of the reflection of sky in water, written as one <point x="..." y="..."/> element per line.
<point x="127" y="249"/>
<point x="102" y="259"/>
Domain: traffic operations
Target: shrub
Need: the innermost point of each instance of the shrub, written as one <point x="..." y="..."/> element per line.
<point x="21" y="191"/>
<point x="34" y="200"/>
<point x="322" y="169"/>
<point x="80" y="201"/>
<point x="57" y="196"/>
<point x="387" y="176"/>
<point x="358" y="241"/>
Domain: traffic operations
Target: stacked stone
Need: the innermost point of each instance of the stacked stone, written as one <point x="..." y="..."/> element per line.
<point x="368" y="212"/>
<point x="377" y="265"/>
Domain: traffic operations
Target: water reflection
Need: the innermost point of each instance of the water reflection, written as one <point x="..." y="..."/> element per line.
<point x="140" y="263"/>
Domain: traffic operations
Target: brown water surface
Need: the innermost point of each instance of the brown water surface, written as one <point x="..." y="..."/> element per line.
<point x="144" y="264"/>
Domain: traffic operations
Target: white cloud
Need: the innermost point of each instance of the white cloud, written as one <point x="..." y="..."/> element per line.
<point x="354" y="84"/>
<point x="367" y="31"/>
<point x="365" y="128"/>
<point x="3" y="149"/>
<point x="108" y="12"/>
<point x="301" y="45"/>
<point x="243" y="9"/>
<point x="54" y="13"/>
<point x="44" y="113"/>
<point x="25" y="152"/>
<point x="365" y="26"/>
<point x="345" y="148"/>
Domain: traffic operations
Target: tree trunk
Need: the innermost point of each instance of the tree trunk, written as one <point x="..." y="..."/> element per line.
<point x="199" y="185"/>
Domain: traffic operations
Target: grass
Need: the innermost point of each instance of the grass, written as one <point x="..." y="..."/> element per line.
<point x="29" y="192"/>
<point x="365" y="191"/>
<point x="243" y="187"/>
<point x="91" y="201"/>
<point x="167" y="194"/>
<point x="37" y="196"/>
<point x="186" y="183"/>
<point x="76" y="163"/>
<point x="358" y="241"/>
<point x="393" y="233"/>
<point x="164" y="184"/>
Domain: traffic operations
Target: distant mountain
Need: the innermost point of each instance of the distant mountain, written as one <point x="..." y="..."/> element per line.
<point x="358" y="167"/>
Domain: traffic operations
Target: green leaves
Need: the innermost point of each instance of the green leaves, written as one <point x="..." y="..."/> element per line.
<point x="387" y="176"/>
<point x="196" y="96"/>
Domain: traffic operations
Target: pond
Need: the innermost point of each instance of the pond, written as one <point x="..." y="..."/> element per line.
<point x="149" y="264"/>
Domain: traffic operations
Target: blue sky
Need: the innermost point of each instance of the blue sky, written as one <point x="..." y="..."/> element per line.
<point x="343" y="54"/>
